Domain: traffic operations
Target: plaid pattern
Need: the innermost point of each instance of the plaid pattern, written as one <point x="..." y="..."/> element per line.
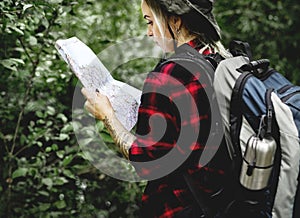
<point x="173" y="103"/>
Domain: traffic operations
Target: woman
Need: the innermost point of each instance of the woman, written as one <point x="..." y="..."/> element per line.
<point x="173" y="102"/>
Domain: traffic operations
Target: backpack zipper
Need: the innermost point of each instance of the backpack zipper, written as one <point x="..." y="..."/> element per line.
<point x="269" y="111"/>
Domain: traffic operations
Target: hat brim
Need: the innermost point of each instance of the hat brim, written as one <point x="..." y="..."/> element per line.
<point x="211" y="23"/>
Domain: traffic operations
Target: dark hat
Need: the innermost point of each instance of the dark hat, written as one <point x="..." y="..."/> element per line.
<point x="202" y="7"/>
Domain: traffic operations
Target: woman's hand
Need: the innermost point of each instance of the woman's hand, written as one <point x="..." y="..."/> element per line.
<point x="97" y="104"/>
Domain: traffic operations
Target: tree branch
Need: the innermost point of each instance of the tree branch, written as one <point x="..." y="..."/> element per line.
<point x="30" y="80"/>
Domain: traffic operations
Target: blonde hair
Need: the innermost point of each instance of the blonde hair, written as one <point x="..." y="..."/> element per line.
<point x="219" y="48"/>
<point x="161" y="17"/>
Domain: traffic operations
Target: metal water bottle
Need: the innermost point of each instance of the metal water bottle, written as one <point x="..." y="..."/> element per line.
<point x="258" y="162"/>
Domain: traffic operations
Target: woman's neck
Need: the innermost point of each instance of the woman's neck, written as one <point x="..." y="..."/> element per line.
<point x="185" y="40"/>
<point x="184" y="37"/>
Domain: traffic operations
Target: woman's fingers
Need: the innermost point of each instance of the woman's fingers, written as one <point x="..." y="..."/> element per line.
<point x="88" y="106"/>
<point x="97" y="104"/>
<point x="90" y="96"/>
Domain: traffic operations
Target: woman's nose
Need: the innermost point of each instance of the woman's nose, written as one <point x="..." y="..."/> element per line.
<point x="149" y="31"/>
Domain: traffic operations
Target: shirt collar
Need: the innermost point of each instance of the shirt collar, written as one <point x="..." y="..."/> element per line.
<point x="205" y="50"/>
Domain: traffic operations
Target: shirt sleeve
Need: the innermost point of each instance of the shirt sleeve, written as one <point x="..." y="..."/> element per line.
<point x="168" y="119"/>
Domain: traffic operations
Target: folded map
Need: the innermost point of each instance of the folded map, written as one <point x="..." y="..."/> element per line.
<point x="125" y="99"/>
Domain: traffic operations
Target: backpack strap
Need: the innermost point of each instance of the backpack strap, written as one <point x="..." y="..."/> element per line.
<point x="189" y="57"/>
<point x="201" y="199"/>
<point x="207" y="64"/>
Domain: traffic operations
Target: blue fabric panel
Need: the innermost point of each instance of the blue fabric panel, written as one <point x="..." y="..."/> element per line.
<point x="289" y="91"/>
<point x="276" y="81"/>
<point x="254" y="96"/>
<point x="254" y="101"/>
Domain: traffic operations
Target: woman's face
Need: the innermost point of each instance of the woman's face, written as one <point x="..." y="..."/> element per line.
<point x="162" y="38"/>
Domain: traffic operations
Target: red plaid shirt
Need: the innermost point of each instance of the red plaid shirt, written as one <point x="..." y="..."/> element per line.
<point x="173" y="122"/>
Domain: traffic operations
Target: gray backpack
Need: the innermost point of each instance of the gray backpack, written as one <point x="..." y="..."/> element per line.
<point x="260" y="113"/>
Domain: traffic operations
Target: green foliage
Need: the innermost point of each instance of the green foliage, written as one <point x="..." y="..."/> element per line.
<point x="271" y="28"/>
<point x="43" y="170"/>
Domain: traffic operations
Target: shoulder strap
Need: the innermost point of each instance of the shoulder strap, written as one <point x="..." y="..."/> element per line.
<point x="200" y="199"/>
<point x="207" y="65"/>
<point x="187" y="55"/>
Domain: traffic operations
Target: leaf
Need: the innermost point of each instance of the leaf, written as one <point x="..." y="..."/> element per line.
<point x="10" y="16"/>
<point x="33" y="172"/>
<point x="60" y="154"/>
<point x="60" y="204"/>
<point x="51" y="80"/>
<point x="45" y="23"/>
<point x="39" y="114"/>
<point x="25" y="7"/>
<point x="40" y="144"/>
<point x="12" y="63"/>
<point x="54" y="147"/>
<point x="17" y="30"/>
<point x="41" y="121"/>
<point x="100" y="125"/>
<point x="67" y="160"/>
<point x="48" y="182"/>
<point x="19" y="172"/>
<point x="18" y="61"/>
<point x="76" y="125"/>
<point x="48" y="149"/>
<point x="63" y="136"/>
<point x="49" y="123"/>
<point x="60" y="181"/>
<point x="22" y="139"/>
<point x="50" y="110"/>
<point x="44" y="193"/>
<point x="68" y="173"/>
<point x="44" y="206"/>
<point x="62" y="117"/>
<point x="84" y="142"/>
<point x="106" y="137"/>
<point x="67" y="128"/>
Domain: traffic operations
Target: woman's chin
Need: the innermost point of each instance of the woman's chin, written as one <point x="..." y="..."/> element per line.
<point x="166" y="48"/>
<point x="165" y="45"/>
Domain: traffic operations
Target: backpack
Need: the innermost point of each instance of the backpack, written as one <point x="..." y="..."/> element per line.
<point x="260" y="113"/>
<point x="260" y="109"/>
